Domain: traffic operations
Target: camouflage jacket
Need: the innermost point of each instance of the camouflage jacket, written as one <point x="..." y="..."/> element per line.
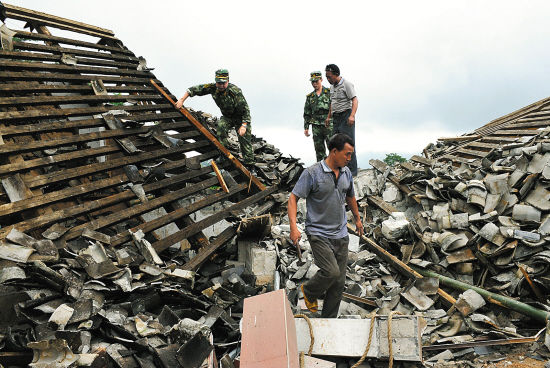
<point x="231" y="102"/>
<point x="316" y="107"/>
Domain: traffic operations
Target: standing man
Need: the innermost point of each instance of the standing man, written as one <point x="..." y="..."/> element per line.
<point x="327" y="186"/>
<point x="342" y="108"/>
<point x="235" y="111"/>
<point x="315" y="113"/>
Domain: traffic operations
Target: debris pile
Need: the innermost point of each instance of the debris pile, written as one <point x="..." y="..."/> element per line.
<point x="270" y="166"/>
<point x="110" y="201"/>
<point x="117" y="230"/>
<point x="486" y="224"/>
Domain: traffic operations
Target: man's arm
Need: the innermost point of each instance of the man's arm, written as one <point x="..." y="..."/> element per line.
<point x="307" y="117"/>
<point x="354" y="105"/>
<point x="352" y="204"/>
<point x="180" y="102"/>
<point x="327" y="120"/>
<point x="242" y="107"/>
<point x="292" y="210"/>
<point x="200" y="90"/>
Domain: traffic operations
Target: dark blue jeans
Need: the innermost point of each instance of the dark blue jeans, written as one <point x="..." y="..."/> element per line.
<point x="340" y="125"/>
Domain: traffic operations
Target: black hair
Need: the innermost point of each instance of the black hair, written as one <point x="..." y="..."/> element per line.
<point x="338" y="141"/>
<point x="333" y="68"/>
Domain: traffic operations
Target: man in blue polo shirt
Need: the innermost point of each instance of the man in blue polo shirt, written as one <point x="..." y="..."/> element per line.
<point x="327" y="187"/>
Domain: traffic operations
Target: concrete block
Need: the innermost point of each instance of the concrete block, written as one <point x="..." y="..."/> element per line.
<point x="311" y="362"/>
<point x="391" y="193"/>
<point x="395" y="226"/>
<point x="259" y="261"/>
<point x="348" y="337"/>
<point x="353" y="245"/>
<point x="468" y="302"/>
<point x="268" y="332"/>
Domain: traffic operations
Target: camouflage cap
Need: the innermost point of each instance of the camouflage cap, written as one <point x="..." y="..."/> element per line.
<point x="316" y="75"/>
<point x="222" y="75"/>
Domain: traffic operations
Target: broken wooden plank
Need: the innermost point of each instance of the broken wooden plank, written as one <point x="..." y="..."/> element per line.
<point x="35" y="56"/>
<point x="516" y="132"/>
<point x="36" y="17"/>
<point x="422" y="160"/>
<point x="35" y="87"/>
<point x="211" y="220"/>
<point x="9" y="116"/>
<point x="380" y="203"/>
<point x="63" y="194"/>
<point x="88" y="207"/>
<point x="211" y="137"/>
<point x="41" y="100"/>
<point x="465" y="138"/>
<point x="176" y="214"/>
<point x="93" y="123"/>
<point x="139" y="209"/>
<point x="76" y="155"/>
<point x="60" y="77"/>
<point x="69" y="41"/>
<point x="45" y="67"/>
<point x="76" y="138"/>
<point x="469" y="152"/>
<point x="58" y="50"/>
<point x="77" y="172"/>
<point x="210" y="249"/>
<point x="219" y="176"/>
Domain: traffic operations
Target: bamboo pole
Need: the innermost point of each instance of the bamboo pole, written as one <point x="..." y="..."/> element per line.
<point x="397" y="263"/>
<point x="501" y="300"/>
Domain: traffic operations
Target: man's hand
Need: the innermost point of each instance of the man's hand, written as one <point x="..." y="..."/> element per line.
<point x="295" y="235"/>
<point x="359" y="227"/>
<point x="327" y="122"/>
<point x="306" y="132"/>
<point x="242" y="130"/>
<point x="179" y="104"/>
<point x="351" y="120"/>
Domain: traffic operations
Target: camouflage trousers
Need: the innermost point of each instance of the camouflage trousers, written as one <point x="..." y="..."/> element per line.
<point x="321" y="136"/>
<point x="224" y="124"/>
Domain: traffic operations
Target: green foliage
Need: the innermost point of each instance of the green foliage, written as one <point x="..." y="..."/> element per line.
<point x="393" y="158"/>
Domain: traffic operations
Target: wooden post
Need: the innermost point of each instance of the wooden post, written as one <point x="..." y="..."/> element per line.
<point x="219" y="175"/>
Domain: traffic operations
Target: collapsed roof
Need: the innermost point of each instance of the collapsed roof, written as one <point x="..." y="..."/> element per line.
<point x="88" y="141"/>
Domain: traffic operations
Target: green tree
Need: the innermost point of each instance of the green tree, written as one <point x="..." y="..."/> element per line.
<point x="393" y="158"/>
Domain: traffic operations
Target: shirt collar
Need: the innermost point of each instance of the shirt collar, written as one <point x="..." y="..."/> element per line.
<point x="341" y="81"/>
<point x="326" y="168"/>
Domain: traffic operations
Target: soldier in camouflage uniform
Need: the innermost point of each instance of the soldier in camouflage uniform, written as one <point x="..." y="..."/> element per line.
<point x="315" y="113"/>
<point x="234" y="108"/>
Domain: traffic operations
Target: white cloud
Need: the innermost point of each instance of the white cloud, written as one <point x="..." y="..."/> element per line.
<point x="460" y="64"/>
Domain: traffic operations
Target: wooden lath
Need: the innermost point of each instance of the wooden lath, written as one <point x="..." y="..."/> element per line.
<point x="87" y="171"/>
<point x="38" y="18"/>
<point x="473" y="147"/>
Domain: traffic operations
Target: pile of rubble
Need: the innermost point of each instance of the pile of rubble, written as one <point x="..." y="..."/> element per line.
<point x="270" y="166"/>
<point x="486" y="224"/>
<point x="86" y="302"/>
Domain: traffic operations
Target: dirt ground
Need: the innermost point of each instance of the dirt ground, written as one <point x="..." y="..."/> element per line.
<point x="516" y="361"/>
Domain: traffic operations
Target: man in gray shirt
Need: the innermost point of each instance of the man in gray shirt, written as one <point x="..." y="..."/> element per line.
<point x="327" y="187"/>
<point x="343" y="107"/>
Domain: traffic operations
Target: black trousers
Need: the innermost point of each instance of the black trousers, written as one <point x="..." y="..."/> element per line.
<point x="340" y="125"/>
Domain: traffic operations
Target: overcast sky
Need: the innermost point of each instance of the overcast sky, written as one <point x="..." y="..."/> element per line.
<point x="421" y="69"/>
